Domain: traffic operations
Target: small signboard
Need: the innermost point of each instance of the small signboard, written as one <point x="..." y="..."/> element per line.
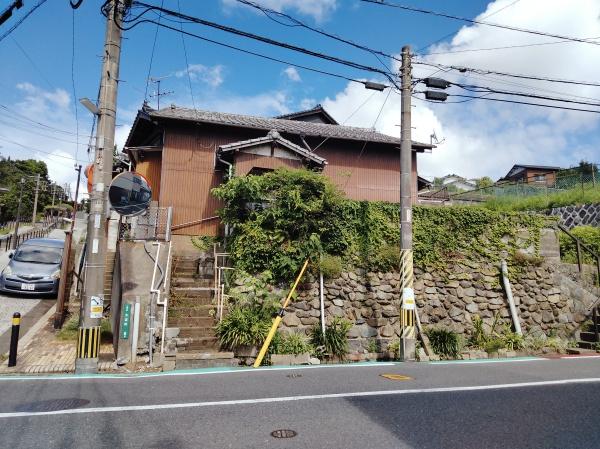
<point x="125" y="321"/>
<point x="408" y="299"/>
<point x="96" y="306"/>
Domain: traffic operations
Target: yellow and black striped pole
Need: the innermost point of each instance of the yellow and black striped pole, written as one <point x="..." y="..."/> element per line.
<point x="88" y="342"/>
<point x="14" y="339"/>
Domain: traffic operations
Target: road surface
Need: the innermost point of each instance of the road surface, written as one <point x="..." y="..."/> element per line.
<point x="516" y="404"/>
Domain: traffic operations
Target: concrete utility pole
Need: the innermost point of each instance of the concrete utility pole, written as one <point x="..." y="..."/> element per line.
<point x="407" y="315"/>
<point x="92" y="298"/>
<point x="17" y="218"/>
<point x="35" y="200"/>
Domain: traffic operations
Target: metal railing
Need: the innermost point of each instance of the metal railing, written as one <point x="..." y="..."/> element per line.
<point x="580" y="247"/>
<point x="6" y="242"/>
<point x="220" y="261"/>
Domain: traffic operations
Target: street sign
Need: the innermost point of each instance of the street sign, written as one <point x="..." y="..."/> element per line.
<point x="96" y="306"/>
<point x="125" y="321"/>
<point x="129" y="194"/>
<point x="408" y="299"/>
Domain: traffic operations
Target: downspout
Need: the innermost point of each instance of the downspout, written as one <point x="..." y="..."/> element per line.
<point x="509" y="296"/>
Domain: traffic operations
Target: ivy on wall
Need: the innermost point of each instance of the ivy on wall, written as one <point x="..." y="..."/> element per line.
<point x="281" y="218"/>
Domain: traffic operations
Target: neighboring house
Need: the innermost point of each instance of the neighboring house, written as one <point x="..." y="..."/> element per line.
<point x="458" y="182"/>
<point x="184" y="153"/>
<point x="531" y="174"/>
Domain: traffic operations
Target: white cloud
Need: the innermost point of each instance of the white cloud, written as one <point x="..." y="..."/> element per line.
<point x="318" y="9"/>
<point x="307" y="103"/>
<point x="292" y="74"/>
<point x="213" y="76"/>
<point x="485" y="137"/>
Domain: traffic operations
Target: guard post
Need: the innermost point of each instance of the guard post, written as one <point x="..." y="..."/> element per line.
<point x="14" y="339"/>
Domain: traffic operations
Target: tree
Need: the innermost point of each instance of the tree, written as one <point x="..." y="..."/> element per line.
<point x="484" y="182"/>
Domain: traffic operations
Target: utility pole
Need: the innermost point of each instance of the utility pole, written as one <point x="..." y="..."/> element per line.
<point x="407" y="312"/>
<point x="92" y="297"/>
<point x="16" y="234"/>
<point x="35" y="200"/>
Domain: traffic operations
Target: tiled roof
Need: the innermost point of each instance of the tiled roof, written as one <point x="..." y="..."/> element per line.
<point x="281" y="125"/>
<point x="318" y="109"/>
<point x="273" y="136"/>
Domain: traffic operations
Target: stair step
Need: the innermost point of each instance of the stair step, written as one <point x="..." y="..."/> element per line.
<point x="582" y="350"/>
<point x="192" y="321"/>
<point x="191" y="312"/>
<point x="201" y="343"/>
<point x="204" y="355"/>
<point x="586" y="345"/>
<point x="181" y="281"/>
<point x="196" y="332"/>
<point x="192" y="292"/>
<point x="588" y="337"/>
<point x="210" y="363"/>
<point x="182" y="302"/>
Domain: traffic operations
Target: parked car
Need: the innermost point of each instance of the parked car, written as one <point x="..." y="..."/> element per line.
<point x="34" y="268"/>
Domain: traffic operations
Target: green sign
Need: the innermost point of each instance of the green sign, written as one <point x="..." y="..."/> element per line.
<point x="125" y="321"/>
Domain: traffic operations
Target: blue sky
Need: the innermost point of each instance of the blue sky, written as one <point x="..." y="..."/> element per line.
<point x="481" y="139"/>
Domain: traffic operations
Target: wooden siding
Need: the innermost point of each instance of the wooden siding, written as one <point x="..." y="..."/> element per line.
<point x="244" y="162"/>
<point x="150" y="169"/>
<point x="188" y="170"/>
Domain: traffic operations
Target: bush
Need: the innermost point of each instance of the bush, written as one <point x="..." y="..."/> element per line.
<point x="243" y="326"/>
<point x="494" y="344"/>
<point x="386" y="259"/>
<point x="331" y="266"/>
<point x="523" y="259"/>
<point x="203" y="242"/>
<point x="444" y="343"/>
<point x="335" y="340"/>
<point x="294" y="344"/>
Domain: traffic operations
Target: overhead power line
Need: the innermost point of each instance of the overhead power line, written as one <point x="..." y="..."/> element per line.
<point x="40" y="151"/>
<point x="479" y="22"/>
<point x="526" y="103"/>
<point x="506" y="47"/>
<point x="21" y="20"/>
<point x="259" y="38"/>
<point x="512" y="75"/>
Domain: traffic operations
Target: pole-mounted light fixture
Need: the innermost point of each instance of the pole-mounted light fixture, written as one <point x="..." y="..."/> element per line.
<point x="87" y="103"/>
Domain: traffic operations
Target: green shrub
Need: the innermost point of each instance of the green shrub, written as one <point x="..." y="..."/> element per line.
<point x="589" y="236"/>
<point x="494" y="344"/>
<point x="512" y="341"/>
<point x="444" y="343"/>
<point x="387" y="258"/>
<point x="331" y="266"/>
<point x="70" y="329"/>
<point x="335" y="340"/>
<point x="294" y="344"/>
<point x="394" y="347"/>
<point x="243" y="326"/>
<point x="372" y="345"/>
<point x="203" y="242"/>
<point x="527" y="260"/>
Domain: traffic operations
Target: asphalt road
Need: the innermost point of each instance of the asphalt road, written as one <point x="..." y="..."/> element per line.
<point x="517" y="404"/>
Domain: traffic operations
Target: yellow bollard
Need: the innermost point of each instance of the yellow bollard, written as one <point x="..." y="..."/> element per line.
<point x="278" y="318"/>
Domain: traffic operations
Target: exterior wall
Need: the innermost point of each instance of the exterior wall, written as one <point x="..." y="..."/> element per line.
<point x="188" y="174"/>
<point x="150" y="169"/>
<point x="571" y="216"/>
<point x="550" y="177"/>
<point x="244" y="162"/>
<point x="187" y="171"/>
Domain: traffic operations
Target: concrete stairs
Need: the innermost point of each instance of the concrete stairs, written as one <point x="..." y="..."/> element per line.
<point x="588" y="338"/>
<point x="192" y="310"/>
<point x="108" y="277"/>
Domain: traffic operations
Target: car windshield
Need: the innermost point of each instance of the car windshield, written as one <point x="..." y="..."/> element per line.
<point x="38" y="254"/>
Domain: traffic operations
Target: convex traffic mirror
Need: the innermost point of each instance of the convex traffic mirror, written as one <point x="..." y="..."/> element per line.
<point x="129" y="194"/>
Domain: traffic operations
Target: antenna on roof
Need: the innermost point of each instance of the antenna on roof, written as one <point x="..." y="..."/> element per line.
<point x="434" y="139"/>
<point x="158" y="93"/>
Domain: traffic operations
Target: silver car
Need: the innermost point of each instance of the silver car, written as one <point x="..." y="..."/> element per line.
<point x="34" y="268"/>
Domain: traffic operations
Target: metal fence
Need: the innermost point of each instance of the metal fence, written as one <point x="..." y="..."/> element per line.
<point x="565" y="180"/>
<point x="6" y="241"/>
<point x="153" y="224"/>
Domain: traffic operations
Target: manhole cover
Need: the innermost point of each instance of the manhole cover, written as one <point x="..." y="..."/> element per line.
<point x="293" y="376"/>
<point x="284" y="433"/>
<point x="52" y="405"/>
<point x="396" y="377"/>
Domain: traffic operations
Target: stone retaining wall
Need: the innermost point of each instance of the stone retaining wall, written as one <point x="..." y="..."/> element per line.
<point x="571" y="216"/>
<point x="447" y="298"/>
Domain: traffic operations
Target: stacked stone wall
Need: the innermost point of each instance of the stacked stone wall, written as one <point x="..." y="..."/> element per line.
<point x="571" y="216"/>
<point x="447" y="298"/>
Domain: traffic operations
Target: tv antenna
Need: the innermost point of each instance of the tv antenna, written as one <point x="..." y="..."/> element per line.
<point x="158" y="93"/>
<point x="434" y="139"/>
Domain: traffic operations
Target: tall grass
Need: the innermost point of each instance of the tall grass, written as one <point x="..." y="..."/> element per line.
<point x="589" y="194"/>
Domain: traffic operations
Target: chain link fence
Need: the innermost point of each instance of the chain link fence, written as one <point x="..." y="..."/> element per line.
<point x="153" y="224"/>
<point x="584" y="179"/>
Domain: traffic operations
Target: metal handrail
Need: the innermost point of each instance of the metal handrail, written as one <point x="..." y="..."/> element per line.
<point x="581" y="245"/>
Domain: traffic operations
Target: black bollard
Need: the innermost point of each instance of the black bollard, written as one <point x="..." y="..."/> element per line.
<point x="14" y="339"/>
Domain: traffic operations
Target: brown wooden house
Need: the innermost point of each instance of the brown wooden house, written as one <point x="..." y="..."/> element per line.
<point x="184" y="153"/>
<point x="531" y="174"/>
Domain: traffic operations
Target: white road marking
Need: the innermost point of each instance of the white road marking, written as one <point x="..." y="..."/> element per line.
<point x="199" y="372"/>
<point x="580" y="357"/>
<point x="480" y="361"/>
<point x="155" y="407"/>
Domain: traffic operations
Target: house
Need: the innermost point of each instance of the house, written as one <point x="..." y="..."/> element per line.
<point x="455" y="182"/>
<point x="531" y="174"/>
<point x="184" y="153"/>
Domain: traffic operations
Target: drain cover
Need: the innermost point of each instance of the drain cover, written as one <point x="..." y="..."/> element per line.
<point x="284" y="433"/>
<point x="293" y="376"/>
<point x="52" y="405"/>
<point x="396" y="377"/>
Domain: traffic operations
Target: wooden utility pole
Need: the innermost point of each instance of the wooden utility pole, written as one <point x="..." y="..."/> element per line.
<point x="18" y="217"/>
<point x="407" y="312"/>
<point x="92" y="298"/>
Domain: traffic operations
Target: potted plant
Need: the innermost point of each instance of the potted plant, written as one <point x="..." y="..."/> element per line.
<point x="242" y="330"/>
<point x="292" y="349"/>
